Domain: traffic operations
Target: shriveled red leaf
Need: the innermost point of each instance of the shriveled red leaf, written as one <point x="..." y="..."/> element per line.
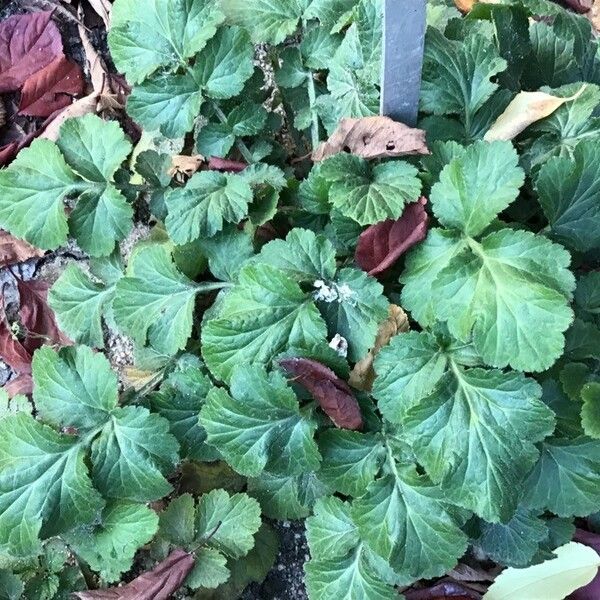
<point x="333" y="394"/>
<point x="13" y="250"/>
<point x="373" y="137"/>
<point x="580" y="6"/>
<point x="223" y="164"/>
<point x="12" y="351"/>
<point x="27" y="44"/>
<point x="51" y="88"/>
<point x="381" y="245"/>
<point x="447" y="590"/>
<point x="158" y="584"/>
<point x="591" y="591"/>
<point x="37" y="317"/>
<point x="22" y="384"/>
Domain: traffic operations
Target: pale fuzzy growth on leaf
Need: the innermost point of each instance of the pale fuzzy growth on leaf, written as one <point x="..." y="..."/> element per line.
<point x="363" y="375"/>
<point x="526" y="108"/>
<point x="373" y="137"/>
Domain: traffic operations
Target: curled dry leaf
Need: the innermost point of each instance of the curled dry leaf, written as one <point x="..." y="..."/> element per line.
<point x="158" y="584"/>
<point x="96" y="67"/>
<point x="13" y="250"/>
<point x="103" y="9"/>
<point x="51" y="88"/>
<point x="28" y="43"/>
<point x="185" y="166"/>
<point x="381" y="245"/>
<point x="137" y="378"/>
<point x="363" y="375"/>
<point x="524" y="109"/>
<point x="332" y="393"/>
<point x="373" y="137"/>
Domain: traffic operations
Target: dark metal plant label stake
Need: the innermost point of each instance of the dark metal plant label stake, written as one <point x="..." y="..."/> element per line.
<point x="403" y="41"/>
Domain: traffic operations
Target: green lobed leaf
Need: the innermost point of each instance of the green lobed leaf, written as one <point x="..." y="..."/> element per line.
<point x="260" y="425"/>
<point x="264" y="313"/>
<point x="165" y="33"/>
<point x="109" y="546"/>
<point x="154" y="302"/>
<point x="79" y="302"/>
<point x="514" y="543"/>
<point x="202" y="207"/>
<point x="457" y="75"/>
<point x="404" y="519"/>
<point x="132" y="454"/>
<point x="568" y="190"/>
<point x="511" y="291"/>
<point x="565" y="479"/>
<point x="351" y="460"/>
<point x="45" y="488"/>
<point x="266" y="20"/>
<point x="369" y="194"/>
<point x="473" y="430"/>
<point x="476" y="185"/>
<point x="74" y="387"/>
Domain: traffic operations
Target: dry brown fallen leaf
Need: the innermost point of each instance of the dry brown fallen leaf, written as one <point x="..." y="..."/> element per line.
<point x="594" y="16"/>
<point x="524" y="109"/>
<point x="103" y="9"/>
<point x="373" y="137"/>
<point x="137" y="378"/>
<point x="363" y="375"/>
<point x="182" y="165"/>
<point x="158" y="584"/>
<point x="81" y="107"/>
<point x="13" y="250"/>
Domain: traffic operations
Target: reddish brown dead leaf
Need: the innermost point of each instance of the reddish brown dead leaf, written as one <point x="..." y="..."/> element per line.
<point x="333" y="394"/>
<point x="37" y="317"/>
<point x="22" y="384"/>
<point x="363" y="375"/>
<point x="27" y="44"/>
<point x="373" y="137"/>
<point x="223" y="164"/>
<point x="158" y="584"/>
<point x="447" y="590"/>
<point x="51" y="88"/>
<point x="580" y="6"/>
<point x="381" y="245"/>
<point x="12" y="351"/>
<point x="13" y="250"/>
<point x="8" y="152"/>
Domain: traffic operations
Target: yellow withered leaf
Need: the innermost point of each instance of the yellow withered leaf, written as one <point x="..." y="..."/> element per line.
<point x="524" y="109"/>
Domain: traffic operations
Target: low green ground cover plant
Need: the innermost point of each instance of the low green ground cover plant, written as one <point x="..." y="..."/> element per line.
<point x="476" y="433"/>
